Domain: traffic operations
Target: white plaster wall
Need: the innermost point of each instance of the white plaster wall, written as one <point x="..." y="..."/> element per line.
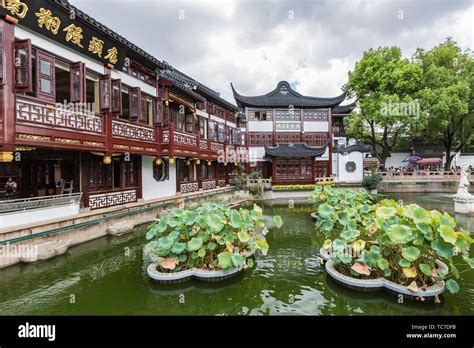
<point x="74" y="56"/>
<point x="256" y="153"/>
<point x="325" y="156"/>
<point x="316" y="126"/>
<point x="358" y="174"/>
<point x="341" y="140"/>
<point x="153" y="189"/>
<point x="396" y="159"/>
<point x="460" y="159"/>
<point x="261" y="126"/>
<point x="202" y="113"/>
<point x="36" y="215"/>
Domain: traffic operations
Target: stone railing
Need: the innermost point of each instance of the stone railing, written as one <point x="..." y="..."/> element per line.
<point x="420" y="175"/>
<point x="23" y="204"/>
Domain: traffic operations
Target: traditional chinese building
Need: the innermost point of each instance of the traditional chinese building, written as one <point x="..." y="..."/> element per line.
<point x="86" y="112"/>
<point x="291" y="136"/>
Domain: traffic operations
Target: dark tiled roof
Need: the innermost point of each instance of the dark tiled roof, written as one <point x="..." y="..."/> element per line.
<point x="283" y="96"/>
<point x="343" y="109"/>
<point x="185" y="86"/>
<point x="352" y="148"/>
<point x="296" y="150"/>
<point x="99" y="26"/>
<point x="194" y="86"/>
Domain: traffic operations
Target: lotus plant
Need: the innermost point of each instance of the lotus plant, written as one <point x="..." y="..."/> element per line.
<point x="401" y="243"/>
<point x="210" y="237"/>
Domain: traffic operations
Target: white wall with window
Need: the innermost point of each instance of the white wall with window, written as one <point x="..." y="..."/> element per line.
<point x="153" y="188"/>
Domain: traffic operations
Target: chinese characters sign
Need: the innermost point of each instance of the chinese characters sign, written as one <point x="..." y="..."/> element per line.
<point x="48" y="19"/>
<point x="288" y="126"/>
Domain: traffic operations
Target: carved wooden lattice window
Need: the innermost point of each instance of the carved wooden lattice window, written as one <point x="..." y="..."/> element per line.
<point x="261" y="139"/>
<point x="117" y="97"/>
<point x="78" y="82"/>
<point x="135" y="103"/>
<point x="105" y="93"/>
<point x="23" y="66"/>
<point x="321" y="169"/>
<point x="46" y="76"/>
<point x="158" y="112"/>
<point x="315" y="139"/>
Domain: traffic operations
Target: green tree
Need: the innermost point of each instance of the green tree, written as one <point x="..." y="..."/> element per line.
<point x="384" y="85"/>
<point x="447" y="96"/>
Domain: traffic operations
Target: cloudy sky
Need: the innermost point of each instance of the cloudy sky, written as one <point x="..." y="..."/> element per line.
<point x="256" y="43"/>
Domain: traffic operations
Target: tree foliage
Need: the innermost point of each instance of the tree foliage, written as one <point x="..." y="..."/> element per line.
<point x="447" y="95"/>
<point x="385" y="85"/>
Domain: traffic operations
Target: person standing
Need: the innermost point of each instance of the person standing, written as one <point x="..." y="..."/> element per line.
<point x="10" y="188"/>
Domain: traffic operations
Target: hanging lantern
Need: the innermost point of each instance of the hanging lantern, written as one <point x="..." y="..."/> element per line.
<point x="225" y="164"/>
<point x="107" y="159"/>
<point x="158" y="161"/>
<point x="188" y="162"/>
<point x="171" y="160"/>
<point x="198" y="161"/>
<point x="6" y="157"/>
<point x="209" y="163"/>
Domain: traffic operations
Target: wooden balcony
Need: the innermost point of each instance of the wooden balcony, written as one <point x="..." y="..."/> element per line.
<point x="40" y="123"/>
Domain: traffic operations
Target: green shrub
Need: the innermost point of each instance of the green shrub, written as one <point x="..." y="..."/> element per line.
<point x="371" y="182"/>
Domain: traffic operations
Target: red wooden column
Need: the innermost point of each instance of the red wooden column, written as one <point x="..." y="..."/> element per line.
<point x="7" y="93"/>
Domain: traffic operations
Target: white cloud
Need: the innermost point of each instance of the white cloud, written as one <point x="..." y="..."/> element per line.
<point x="255" y="44"/>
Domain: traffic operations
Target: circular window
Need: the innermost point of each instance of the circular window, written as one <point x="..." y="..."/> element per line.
<point x="351" y="167"/>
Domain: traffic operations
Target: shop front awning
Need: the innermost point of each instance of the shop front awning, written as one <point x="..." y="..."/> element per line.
<point x="430" y="161"/>
<point x="296" y="150"/>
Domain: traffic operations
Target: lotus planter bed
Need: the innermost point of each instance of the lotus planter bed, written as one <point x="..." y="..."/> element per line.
<point x="368" y="285"/>
<point x="200" y="274"/>
<point x="212" y="242"/>
<point x="402" y="248"/>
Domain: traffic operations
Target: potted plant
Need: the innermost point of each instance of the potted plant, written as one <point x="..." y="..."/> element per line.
<point x="371" y="182"/>
<point x="211" y="242"/>
<point x="406" y="249"/>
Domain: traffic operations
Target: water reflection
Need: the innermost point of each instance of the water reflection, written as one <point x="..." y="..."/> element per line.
<point x="108" y="276"/>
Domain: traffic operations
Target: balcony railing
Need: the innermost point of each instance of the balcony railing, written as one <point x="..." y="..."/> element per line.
<point x="110" y="199"/>
<point x="187" y="187"/>
<point x="209" y="185"/>
<point x="40" y="114"/>
<point x="128" y="130"/>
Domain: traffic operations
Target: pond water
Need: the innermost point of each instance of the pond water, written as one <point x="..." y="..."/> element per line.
<point x="107" y="277"/>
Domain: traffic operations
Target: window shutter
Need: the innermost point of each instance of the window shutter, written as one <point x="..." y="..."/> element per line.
<point x="78" y="82"/>
<point x="23" y="66"/>
<point x="135" y="103"/>
<point x="2" y="55"/>
<point x="158" y="120"/>
<point x="143" y="110"/>
<point x="105" y="93"/>
<point x="45" y="76"/>
<point x="117" y="97"/>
